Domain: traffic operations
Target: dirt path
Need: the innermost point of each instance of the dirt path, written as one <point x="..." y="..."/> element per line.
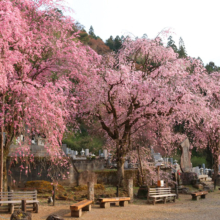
<point x="184" y="208"/>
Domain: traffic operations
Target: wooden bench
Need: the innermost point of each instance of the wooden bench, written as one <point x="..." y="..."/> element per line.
<point x="77" y="208"/>
<point x="105" y="202"/>
<point x="161" y="194"/>
<point x="15" y="198"/>
<point x="201" y="194"/>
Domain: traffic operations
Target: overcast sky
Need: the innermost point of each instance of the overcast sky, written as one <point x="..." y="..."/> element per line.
<point x="196" y="21"/>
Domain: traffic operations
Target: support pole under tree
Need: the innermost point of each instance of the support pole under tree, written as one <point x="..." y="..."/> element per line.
<point x="90" y="190"/>
<point x="141" y="170"/>
<point x="130" y="190"/>
<point x="176" y="186"/>
<point x="54" y="191"/>
<point x="23" y="205"/>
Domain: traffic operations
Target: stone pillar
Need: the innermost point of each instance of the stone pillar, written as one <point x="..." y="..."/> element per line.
<point x="71" y="175"/>
<point x="130" y="189"/>
<point x="126" y="164"/>
<point x="105" y="152"/>
<point x="87" y="152"/>
<point x="171" y="160"/>
<point x="90" y="191"/>
<point x="201" y="171"/>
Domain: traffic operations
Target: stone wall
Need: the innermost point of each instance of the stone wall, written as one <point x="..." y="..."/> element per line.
<point x="41" y="167"/>
<point x="93" y="164"/>
<point x="20" y="178"/>
<point x="109" y="177"/>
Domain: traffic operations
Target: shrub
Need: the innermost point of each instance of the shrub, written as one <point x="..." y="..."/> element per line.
<point x="42" y="186"/>
<point x="85" y="187"/>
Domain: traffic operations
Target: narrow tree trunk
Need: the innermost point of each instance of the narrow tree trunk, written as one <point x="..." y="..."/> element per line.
<point x="215" y="163"/>
<point x="120" y="171"/>
<point x="141" y="170"/>
<point x="2" y="146"/>
<point x="5" y="174"/>
<point x="2" y="164"/>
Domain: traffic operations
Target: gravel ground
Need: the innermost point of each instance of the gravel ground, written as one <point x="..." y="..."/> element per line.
<point x="184" y="208"/>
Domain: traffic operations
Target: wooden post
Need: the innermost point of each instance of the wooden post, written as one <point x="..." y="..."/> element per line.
<point x="23" y="205"/>
<point x="176" y="186"/>
<point x="90" y="190"/>
<point x="130" y="190"/>
<point x="11" y="206"/>
<point x="9" y="197"/>
<point x="35" y="198"/>
<point x="141" y="170"/>
<point x="54" y="191"/>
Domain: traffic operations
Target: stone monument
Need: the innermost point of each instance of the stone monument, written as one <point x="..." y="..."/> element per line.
<point x="185" y="161"/>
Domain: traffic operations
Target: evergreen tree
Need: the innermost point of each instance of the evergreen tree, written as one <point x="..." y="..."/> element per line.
<point x="171" y="43"/>
<point x="110" y="43"/>
<point x="122" y="38"/>
<point x="118" y="43"/>
<point x="211" y="67"/>
<point x="91" y="32"/>
<point x="182" y="50"/>
<point x="145" y="36"/>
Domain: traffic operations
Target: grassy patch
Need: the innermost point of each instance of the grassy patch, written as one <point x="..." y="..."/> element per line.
<point x="196" y="161"/>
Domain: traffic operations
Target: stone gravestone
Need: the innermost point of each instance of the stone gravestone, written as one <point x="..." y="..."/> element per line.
<point x="185" y="161"/>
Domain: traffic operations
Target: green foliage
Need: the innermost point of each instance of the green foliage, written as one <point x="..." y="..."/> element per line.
<point x="182" y="50"/>
<point x="211" y="67"/>
<point x="91" y="32"/>
<point x="196" y="161"/>
<point x="115" y="44"/>
<point x="171" y="43"/>
<point x="145" y="36"/>
<point x="82" y="139"/>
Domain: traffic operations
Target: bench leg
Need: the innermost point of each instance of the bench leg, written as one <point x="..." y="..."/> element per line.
<point x="194" y="197"/>
<point x="202" y="196"/>
<point x="154" y="201"/>
<point x="123" y="203"/>
<point x="12" y="208"/>
<point x="164" y="200"/>
<point x="36" y="207"/>
<point x="76" y="213"/>
<point x="87" y="208"/>
<point x="174" y="199"/>
<point x="104" y="204"/>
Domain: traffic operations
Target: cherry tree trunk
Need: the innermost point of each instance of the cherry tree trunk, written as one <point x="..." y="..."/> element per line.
<point x="5" y="176"/>
<point x="120" y="171"/>
<point x="216" y="163"/>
